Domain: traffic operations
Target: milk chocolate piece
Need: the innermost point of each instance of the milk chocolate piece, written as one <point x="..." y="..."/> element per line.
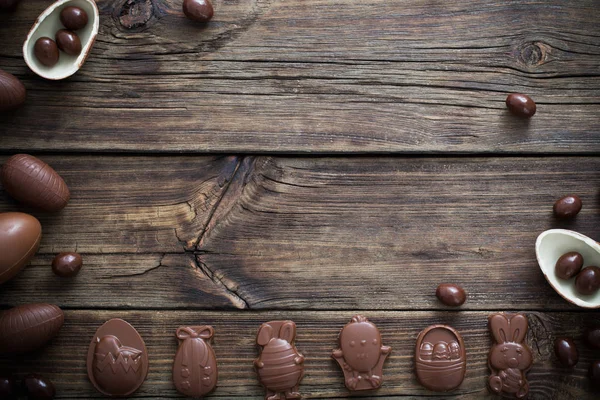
<point x="280" y="367"/>
<point x="73" y="18"/>
<point x="68" y="42"/>
<point x="567" y="206"/>
<point x="46" y="51"/>
<point x="520" y="105"/>
<point x="20" y="236"/>
<point x="33" y="182"/>
<point x="198" y="10"/>
<point x="361" y="354"/>
<point x="510" y="358"/>
<point x="28" y="327"/>
<point x="568" y="265"/>
<point x="451" y="295"/>
<point x="587" y="281"/>
<point x="12" y="92"/>
<point x="195" y="367"/>
<point x="67" y="265"/>
<point x="440" y="358"/>
<point x="117" y="359"/>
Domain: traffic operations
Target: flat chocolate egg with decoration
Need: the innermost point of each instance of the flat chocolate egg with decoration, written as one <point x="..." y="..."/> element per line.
<point x="117" y="360"/>
<point x="195" y="366"/>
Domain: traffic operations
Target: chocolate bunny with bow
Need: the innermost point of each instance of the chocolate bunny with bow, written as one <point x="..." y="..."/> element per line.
<point x="280" y="366"/>
<point x="195" y="367"/>
<point x="510" y="358"/>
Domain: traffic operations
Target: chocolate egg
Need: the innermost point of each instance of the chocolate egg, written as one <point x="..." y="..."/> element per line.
<point x="117" y="360"/>
<point x="569" y="265"/>
<point x="588" y="281"/>
<point x="46" y="51"/>
<point x="33" y="182"/>
<point x="20" y="236"/>
<point x="451" y="294"/>
<point x="28" y="327"/>
<point x="12" y="92"/>
<point x="520" y="105"/>
<point x="36" y="387"/>
<point x="567" y="206"/>
<point x="67" y="265"/>
<point x="68" y="42"/>
<point x="73" y="18"/>
<point x="198" y="10"/>
<point x="566" y="352"/>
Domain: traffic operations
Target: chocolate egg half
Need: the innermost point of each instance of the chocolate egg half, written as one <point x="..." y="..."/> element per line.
<point x="28" y="327"/>
<point x="20" y="236"/>
<point x="33" y="182"/>
<point x="117" y="360"/>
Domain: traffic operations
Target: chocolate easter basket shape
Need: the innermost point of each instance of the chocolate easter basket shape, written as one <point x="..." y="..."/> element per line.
<point x="440" y="358"/>
<point x="117" y="360"/>
<point x="195" y="366"/>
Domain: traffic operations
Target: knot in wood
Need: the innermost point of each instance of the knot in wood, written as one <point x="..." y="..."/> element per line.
<point x="533" y="54"/>
<point x="135" y="13"/>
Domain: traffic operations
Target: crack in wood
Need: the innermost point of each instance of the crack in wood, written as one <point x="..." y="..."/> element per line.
<point x="235" y="297"/>
<point x="160" y="264"/>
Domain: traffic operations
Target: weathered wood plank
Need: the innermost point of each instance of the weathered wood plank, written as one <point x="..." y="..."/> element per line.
<point x="64" y="360"/>
<point x="318" y="76"/>
<point x="305" y="233"/>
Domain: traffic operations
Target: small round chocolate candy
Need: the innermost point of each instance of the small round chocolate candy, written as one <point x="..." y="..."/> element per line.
<point x="198" y="10"/>
<point x="567" y="206"/>
<point x="37" y="387"/>
<point x="8" y="388"/>
<point x="46" y="51"/>
<point x="67" y="265"/>
<point x="451" y="294"/>
<point x="569" y="265"/>
<point x="592" y="337"/>
<point x="594" y="372"/>
<point x="588" y="281"/>
<point x="68" y="42"/>
<point x="566" y="352"/>
<point x="73" y="18"/>
<point x="520" y="105"/>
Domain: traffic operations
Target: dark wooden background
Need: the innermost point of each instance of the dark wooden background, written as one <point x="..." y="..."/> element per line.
<point x="311" y="159"/>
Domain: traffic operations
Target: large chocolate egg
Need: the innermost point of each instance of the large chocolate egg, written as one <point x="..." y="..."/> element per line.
<point x="117" y="360"/>
<point x="20" y="236"/>
<point x="31" y="181"/>
<point x="28" y="327"/>
<point x="12" y="92"/>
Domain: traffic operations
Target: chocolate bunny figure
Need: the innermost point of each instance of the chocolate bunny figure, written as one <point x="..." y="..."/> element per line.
<point x="280" y="366"/>
<point x="510" y="358"/>
<point x="195" y="366"/>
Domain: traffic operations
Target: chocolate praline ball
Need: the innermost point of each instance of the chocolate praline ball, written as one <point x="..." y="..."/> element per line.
<point x="67" y="265"/>
<point x="569" y="265"/>
<point x="588" y="280"/>
<point x="37" y="387"/>
<point x="520" y="105"/>
<point x="198" y="10"/>
<point x="8" y="387"/>
<point x="73" y="18"/>
<point x="567" y="206"/>
<point x="566" y="352"/>
<point x="46" y="51"/>
<point x="68" y="42"/>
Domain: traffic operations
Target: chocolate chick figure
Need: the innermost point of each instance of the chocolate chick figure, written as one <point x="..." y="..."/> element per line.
<point x="361" y="354"/>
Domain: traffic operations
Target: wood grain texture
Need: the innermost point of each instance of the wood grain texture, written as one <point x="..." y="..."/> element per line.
<point x="234" y="343"/>
<point x="305" y="233"/>
<point x="318" y="76"/>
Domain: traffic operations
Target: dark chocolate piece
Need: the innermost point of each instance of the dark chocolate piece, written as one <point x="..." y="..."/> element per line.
<point x="8" y="387"/>
<point x="280" y="367"/>
<point x="68" y="42"/>
<point x="451" y="294"/>
<point x="361" y="354"/>
<point x="67" y="265"/>
<point x="46" y="51"/>
<point x="198" y="10"/>
<point x="510" y="358"/>
<point x="566" y="352"/>
<point x="568" y="265"/>
<point x="20" y="236"/>
<point x="28" y="327"/>
<point x="587" y="281"/>
<point x="73" y="18"/>
<point x="592" y="337"/>
<point x="195" y="367"/>
<point x="567" y="206"/>
<point x="520" y="105"/>
<point x="117" y="360"/>
<point x="440" y="358"/>
<point x="594" y="373"/>
<point x="36" y="387"/>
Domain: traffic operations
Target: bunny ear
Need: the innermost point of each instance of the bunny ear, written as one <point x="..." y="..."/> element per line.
<point x="287" y="331"/>
<point x="518" y="328"/>
<point x="265" y="334"/>
<point x="499" y="327"/>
